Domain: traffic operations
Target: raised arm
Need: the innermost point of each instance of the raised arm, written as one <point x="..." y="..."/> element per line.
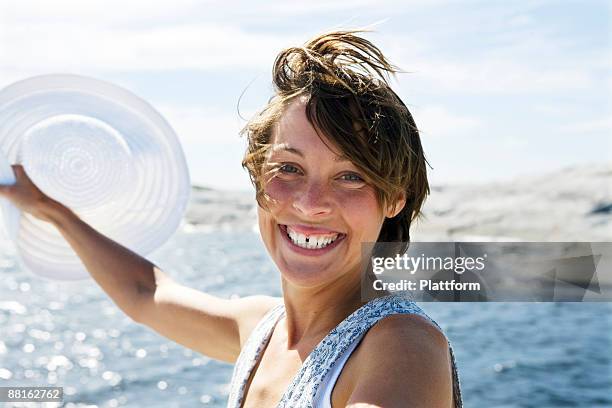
<point x="213" y="326"/>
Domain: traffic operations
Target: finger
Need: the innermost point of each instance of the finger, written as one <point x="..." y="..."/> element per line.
<point x="17" y="168"/>
<point x="19" y="171"/>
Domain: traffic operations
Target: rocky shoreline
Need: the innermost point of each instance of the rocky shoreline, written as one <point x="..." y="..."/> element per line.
<point x="571" y="204"/>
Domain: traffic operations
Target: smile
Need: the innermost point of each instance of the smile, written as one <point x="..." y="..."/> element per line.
<point x="311" y="242"/>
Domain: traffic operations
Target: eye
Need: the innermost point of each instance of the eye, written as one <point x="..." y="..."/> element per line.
<point x="354" y="177"/>
<point x="288" y="168"/>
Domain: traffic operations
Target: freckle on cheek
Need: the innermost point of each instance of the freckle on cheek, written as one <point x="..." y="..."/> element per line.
<point x="277" y="190"/>
<point x="361" y="202"/>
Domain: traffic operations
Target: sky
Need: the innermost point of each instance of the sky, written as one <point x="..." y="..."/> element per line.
<point x="498" y="89"/>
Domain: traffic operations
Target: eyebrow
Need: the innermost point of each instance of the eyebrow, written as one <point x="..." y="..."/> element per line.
<point x="298" y="152"/>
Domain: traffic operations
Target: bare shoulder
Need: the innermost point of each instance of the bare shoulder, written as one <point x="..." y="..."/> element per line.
<point x="249" y="311"/>
<point x="403" y="360"/>
<point x="407" y="330"/>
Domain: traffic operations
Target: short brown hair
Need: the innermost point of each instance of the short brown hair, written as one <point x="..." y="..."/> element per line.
<point x="344" y="79"/>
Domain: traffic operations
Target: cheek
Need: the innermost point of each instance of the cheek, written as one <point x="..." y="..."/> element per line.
<point x="267" y="227"/>
<point x="279" y="191"/>
<point x="362" y="200"/>
<point x="361" y="210"/>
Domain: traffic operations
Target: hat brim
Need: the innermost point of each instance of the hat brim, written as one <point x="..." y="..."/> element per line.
<point x="10" y="213"/>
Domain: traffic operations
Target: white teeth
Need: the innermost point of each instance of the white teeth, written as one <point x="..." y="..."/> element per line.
<point x="312" y="241"/>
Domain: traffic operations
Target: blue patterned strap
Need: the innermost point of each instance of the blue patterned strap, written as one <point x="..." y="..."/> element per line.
<point x="302" y="391"/>
<point x="250" y="354"/>
<point x="456" y="385"/>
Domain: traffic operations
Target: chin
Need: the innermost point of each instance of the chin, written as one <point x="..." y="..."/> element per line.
<point x="304" y="274"/>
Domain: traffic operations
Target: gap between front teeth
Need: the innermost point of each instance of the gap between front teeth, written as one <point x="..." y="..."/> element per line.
<point x="310" y="242"/>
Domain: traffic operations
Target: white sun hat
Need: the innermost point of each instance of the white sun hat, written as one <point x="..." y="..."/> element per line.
<point x="101" y="151"/>
<point x="9" y="211"/>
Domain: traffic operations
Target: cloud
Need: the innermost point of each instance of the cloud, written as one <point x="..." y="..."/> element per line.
<point x="439" y="122"/>
<point x="81" y="47"/>
<point x="507" y="69"/>
<point x="502" y="76"/>
<point x="203" y="124"/>
<point x="136" y="12"/>
<point x="94" y="36"/>
<point x="95" y="12"/>
<point x="598" y="126"/>
<point x="501" y="50"/>
<point x="489" y="54"/>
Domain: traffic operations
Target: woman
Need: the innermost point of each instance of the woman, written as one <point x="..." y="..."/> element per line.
<point x="336" y="161"/>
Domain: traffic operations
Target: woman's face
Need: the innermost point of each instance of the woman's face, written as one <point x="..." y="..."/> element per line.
<point x="321" y="208"/>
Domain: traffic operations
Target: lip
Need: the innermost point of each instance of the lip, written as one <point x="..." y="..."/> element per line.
<point x="311" y="252"/>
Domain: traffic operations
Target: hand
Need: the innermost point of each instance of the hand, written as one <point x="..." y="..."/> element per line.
<point x="25" y="195"/>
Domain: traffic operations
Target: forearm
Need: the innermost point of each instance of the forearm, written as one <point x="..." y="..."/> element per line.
<point x="125" y="276"/>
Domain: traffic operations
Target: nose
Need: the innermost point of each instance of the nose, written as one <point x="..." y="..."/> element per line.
<point x="313" y="200"/>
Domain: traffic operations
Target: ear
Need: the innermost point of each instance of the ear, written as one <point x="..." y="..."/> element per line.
<point x="397" y="207"/>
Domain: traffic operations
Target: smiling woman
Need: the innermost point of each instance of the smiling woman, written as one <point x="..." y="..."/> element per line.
<point x="336" y="161"/>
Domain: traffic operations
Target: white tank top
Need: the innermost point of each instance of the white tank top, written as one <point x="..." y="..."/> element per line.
<point x="323" y="398"/>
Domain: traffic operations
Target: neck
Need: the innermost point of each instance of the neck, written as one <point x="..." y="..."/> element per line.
<point x="310" y="313"/>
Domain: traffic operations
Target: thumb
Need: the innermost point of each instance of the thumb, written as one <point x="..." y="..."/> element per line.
<point x="19" y="171"/>
<point x="4" y="189"/>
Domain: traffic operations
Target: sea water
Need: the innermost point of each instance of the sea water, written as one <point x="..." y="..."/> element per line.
<point x="72" y="335"/>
